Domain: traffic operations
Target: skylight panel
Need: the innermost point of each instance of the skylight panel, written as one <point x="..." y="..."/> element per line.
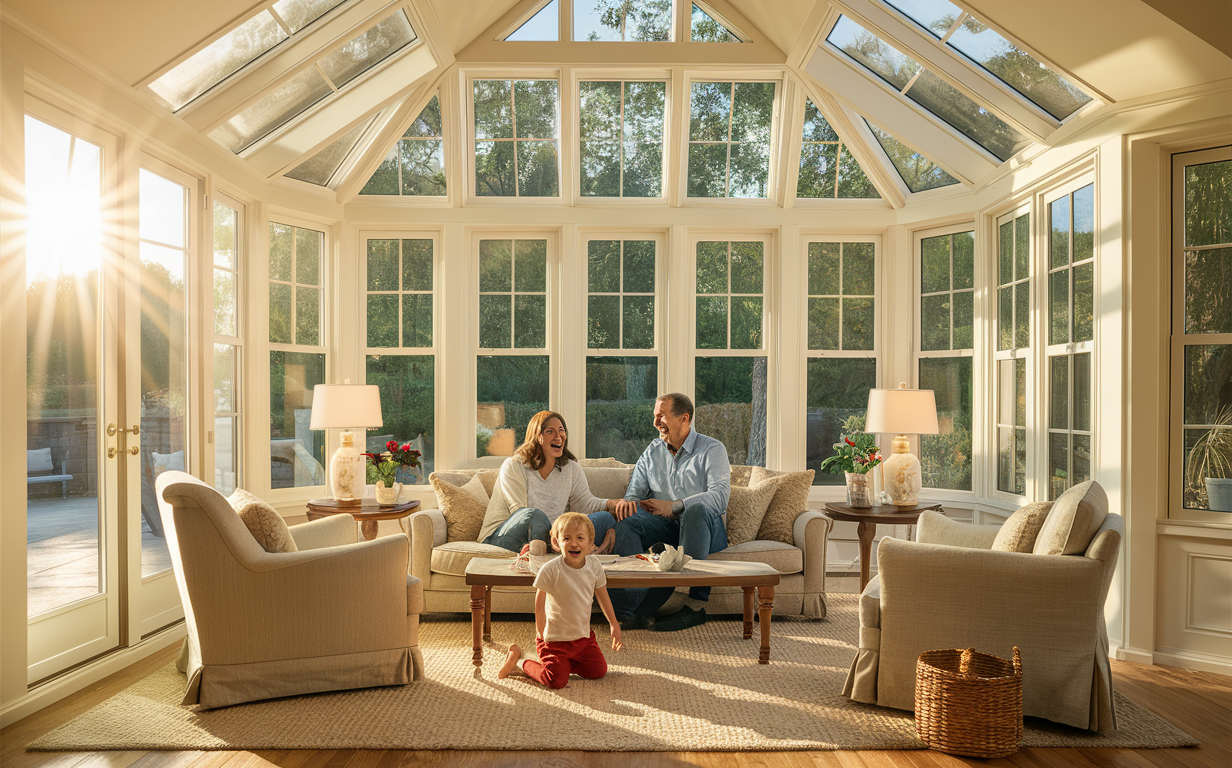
<point x="321" y="167"/>
<point x="876" y="55"/>
<point x="703" y="28"/>
<point x="368" y="48"/>
<point x="918" y="172"/>
<point x="729" y="139"/>
<point x="297" y="14"/>
<point x="544" y="25"/>
<point x="621" y="138"/>
<point x="1017" y="69"/>
<point x="936" y="16"/>
<point x="279" y="106"/>
<point x="827" y="168"/>
<point x="217" y="61"/>
<point x="622" y="20"/>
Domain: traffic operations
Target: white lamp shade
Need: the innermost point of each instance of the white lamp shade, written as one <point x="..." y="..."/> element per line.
<point x="901" y="412"/>
<point x="339" y="406"/>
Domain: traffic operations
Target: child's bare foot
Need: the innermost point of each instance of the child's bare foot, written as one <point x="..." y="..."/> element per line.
<point x="609" y="541"/>
<point x="538" y="548"/>
<point x="511" y="662"/>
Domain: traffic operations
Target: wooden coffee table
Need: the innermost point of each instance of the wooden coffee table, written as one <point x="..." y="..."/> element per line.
<point x="368" y="514"/>
<point x="483" y="573"/>
<point x="868" y="518"/>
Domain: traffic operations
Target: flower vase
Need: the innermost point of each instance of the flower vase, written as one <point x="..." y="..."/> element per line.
<point x="386" y="495"/>
<point x="858" y="490"/>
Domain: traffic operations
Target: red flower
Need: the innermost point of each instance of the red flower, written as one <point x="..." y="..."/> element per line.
<point x="392" y="445"/>
<point x="848" y="441"/>
<point x="406" y="447"/>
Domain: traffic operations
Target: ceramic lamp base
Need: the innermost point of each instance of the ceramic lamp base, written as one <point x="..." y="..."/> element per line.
<point x="346" y="474"/>
<point x="901" y="475"/>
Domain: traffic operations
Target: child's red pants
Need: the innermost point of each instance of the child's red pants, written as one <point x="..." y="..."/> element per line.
<point x="558" y="659"/>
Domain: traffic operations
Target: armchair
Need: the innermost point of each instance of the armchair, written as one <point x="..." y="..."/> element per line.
<point x="950" y="590"/>
<point x="335" y="615"/>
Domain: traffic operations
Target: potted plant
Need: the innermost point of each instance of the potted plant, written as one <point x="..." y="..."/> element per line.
<point x="383" y="469"/>
<point x="855" y="455"/>
<point x="1210" y="464"/>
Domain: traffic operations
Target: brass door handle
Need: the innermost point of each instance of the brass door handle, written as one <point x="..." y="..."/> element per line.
<point x="134" y="450"/>
<point x="112" y="430"/>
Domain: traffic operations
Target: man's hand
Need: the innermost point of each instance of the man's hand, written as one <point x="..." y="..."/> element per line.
<point x="657" y="507"/>
<point x="622" y="508"/>
<point x="617" y="644"/>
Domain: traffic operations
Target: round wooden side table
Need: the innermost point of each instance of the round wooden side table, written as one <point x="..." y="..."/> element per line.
<point x="367" y="514"/>
<point x="868" y="518"/>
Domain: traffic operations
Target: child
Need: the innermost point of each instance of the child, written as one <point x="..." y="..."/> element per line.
<point x="565" y="585"/>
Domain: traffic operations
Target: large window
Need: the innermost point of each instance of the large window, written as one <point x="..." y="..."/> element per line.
<point x="1201" y="433"/>
<point x="729" y="139"/>
<point x="730" y="364"/>
<point x="621" y="138"/>
<point x="1013" y="349"/>
<point x="516" y="134"/>
<point x="228" y="345"/>
<point x="842" y="341"/>
<point x="946" y="345"/>
<point x="827" y="168"/>
<point x="416" y="164"/>
<point x="297" y="354"/>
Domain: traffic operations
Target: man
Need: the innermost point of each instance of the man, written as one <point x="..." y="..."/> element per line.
<point x="678" y="495"/>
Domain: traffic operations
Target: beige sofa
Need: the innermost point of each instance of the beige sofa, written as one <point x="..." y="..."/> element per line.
<point x="441" y="564"/>
<point x="335" y="615"/>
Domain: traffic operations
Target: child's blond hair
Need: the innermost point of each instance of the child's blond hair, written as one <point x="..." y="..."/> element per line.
<point x="572" y="518"/>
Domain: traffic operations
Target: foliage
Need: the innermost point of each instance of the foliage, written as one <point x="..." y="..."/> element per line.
<point x="1210" y="456"/>
<point x="856" y="451"/>
<point x="384" y="466"/>
<point x="634" y="20"/>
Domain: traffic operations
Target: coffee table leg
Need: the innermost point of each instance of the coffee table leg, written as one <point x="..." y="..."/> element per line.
<point x="487" y="614"/>
<point x="748" y="613"/>
<point x="368" y="529"/>
<point x="477" y="602"/>
<point x="765" y="606"/>
<point x="865" y="531"/>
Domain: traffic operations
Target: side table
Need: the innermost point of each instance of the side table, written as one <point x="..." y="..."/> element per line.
<point x="367" y="514"/>
<point x="868" y="518"/>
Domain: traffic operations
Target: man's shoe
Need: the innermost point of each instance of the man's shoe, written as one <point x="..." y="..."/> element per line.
<point x="633" y="622"/>
<point x="682" y="619"/>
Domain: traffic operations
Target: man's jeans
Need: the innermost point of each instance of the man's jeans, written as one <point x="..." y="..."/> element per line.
<point x="523" y="526"/>
<point x="699" y="530"/>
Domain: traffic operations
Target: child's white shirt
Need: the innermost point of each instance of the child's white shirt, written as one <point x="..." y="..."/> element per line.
<point x="570" y="592"/>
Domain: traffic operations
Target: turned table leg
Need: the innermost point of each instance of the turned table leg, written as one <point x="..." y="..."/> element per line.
<point x="748" y="613"/>
<point x="477" y="602"/>
<point x="865" y="531"/>
<point x="765" y="601"/>
<point x="487" y="614"/>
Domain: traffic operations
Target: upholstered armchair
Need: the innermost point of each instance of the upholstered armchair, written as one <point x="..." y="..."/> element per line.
<point x="334" y="615"/>
<point x="951" y="589"/>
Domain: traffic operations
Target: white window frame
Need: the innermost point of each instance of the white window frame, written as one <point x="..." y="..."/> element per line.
<point x="575" y="78"/>
<point x="566" y="184"/>
<point x="240" y="273"/>
<point x="991" y="258"/>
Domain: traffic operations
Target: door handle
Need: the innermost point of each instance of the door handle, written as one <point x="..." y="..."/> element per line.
<point x="112" y="430"/>
<point x="134" y="450"/>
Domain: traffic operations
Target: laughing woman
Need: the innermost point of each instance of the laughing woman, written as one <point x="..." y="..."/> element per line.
<point x="536" y="485"/>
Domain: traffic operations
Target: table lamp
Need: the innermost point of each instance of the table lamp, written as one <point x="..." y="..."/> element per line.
<point x="346" y="406"/>
<point x="902" y="412"/>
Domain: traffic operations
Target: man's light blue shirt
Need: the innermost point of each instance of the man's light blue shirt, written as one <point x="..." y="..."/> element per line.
<point x="698" y="472"/>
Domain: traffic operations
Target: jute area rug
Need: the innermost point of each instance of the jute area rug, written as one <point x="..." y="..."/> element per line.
<point x="696" y="690"/>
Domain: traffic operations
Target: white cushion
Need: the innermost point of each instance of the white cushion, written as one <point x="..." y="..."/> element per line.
<point x="38" y="460"/>
<point x="783" y="558"/>
<point x="608" y="482"/>
<point x="168" y="461"/>
<point x="451" y="558"/>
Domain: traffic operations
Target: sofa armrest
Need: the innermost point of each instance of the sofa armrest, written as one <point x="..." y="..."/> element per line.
<point x="332" y="531"/>
<point x="425" y="529"/>
<point x="936" y="528"/>
<point x="811" y="533"/>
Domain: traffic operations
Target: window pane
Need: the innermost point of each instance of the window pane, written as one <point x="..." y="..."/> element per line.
<point x="1022" y="315"/>
<point x="307" y="316"/>
<point x="227" y="459"/>
<point x="746" y="267"/>
<point x="600" y="169"/>
<point x="297" y="454"/>
<point x="224" y="302"/>
<point x="493" y="109"/>
<point x="1208" y="203"/>
<point x="367" y="49"/>
<point x="752" y="110"/>
<point x="510" y="390"/>
<point x="823" y="269"/>
<point x="935" y="266"/>
<point x="1084" y="302"/>
<point x="869" y="50"/>
<point x="603" y="264"/>
<point x="1082" y="392"/>
<point x="300" y="13"/>
<point x="416" y="265"/>
<point x="408" y="400"/>
<point x="383" y="320"/>
<point x="858" y="269"/>
<point x="428" y="124"/>
<point x="1081" y="459"/>
<point x="704" y="28"/>
<point x="530" y="266"/>
<point x="964" y="320"/>
<point x="384" y="180"/>
<point x="288" y="100"/>
<point x="1058" y="464"/>
<point x="639" y="266"/>
<point x="1058" y="216"/>
<point x="1208" y="383"/>
<point x="731" y="405"/>
<point x="1022" y="242"/>
<point x="620" y="397"/>
<point x="1005" y="252"/>
<point x="823" y="323"/>
<point x="712" y="322"/>
<point x="544" y="25"/>
<point x="495" y="265"/>
<point x="837" y="389"/>
<point x="161" y="210"/>
<point x="423" y="167"/>
<point x="629" y="20"/>
<point x="494" y="169"/>
<point x="281" y="239"/>
<point x="212" y="64"/>
<point x="280" y="311"/>
<point x="937" y="16"/>
<point x="707" y="170"/>
<point x="816" y="127"/>
<point x="918" y="172"/>
<point x="710" y="111"/>
<point x="308" y="256"/>
<point x="746" y="322"/>
<point x="852" y="182"/>
<point x="639" y="322"/>
<point x="1005" y="318"/>
<point x="712" y="267"/>
<point x="1208" y="291"/>
<point x="945" y="458"/>
<point x="643" y="170"/>
<point x="750" y="169"/>
<point x="529" y="321"/>
<point x="417" y="320"/>
<point x="1058" y="303"/>
<point x="1020" y="392"/>
<point x="603" y="324"/>
<point x="964" y="260"/>
<point x="537" y="173"/>
<point x="599" y="115"/>
<point x="857" y="323"/>
<point x="534" y="109"/>
<point x="225" y="242"/>
<point x="1058" y="410"/>
<point x="935" y="322"/>
<point x="495" y="321"/>
<point x="383" y="265"/>
<point x="965" y="116"/>
<point x="1084" y="223"/>
<point x="818" y="165"/>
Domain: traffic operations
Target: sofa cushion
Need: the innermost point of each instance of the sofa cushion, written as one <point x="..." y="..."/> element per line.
<point x="1075" y="517"/>
<point x="461" y="477"/>
<point x="790" y="501"/>
<point x="783" y="558"/>
<point x="263" y="522"/>
<point x="463" y="506"/>
<point x="740" y="474"/>
<point x="1020" y="531"/>
<point x="38" y="460"/>
<point x="451" y="558"/>
<point x="606" y="462"/>
<point x="746" y="508"/>
<point x="608" y="482"/>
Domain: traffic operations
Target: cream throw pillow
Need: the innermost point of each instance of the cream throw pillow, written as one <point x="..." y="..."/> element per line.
<point x="1019" y="533"/>
<point x="1075" y="517"/>
<point x="606" y="462"/>
<point x="740" y="474"/>
<point x="263" y="522"/>
<point x="790" y="501"/>
<point x="608" y="482"/>
<point x="746" y="509"/>
<point x="462" y="506"/>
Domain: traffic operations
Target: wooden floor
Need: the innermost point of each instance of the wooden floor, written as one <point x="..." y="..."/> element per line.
<point x="1199" y="703"/>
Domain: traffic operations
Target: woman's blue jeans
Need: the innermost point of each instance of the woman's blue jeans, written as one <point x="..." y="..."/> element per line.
<point x="523" y="526"/>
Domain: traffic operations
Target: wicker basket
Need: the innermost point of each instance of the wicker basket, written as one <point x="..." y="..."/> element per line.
<point x="969" y="703"/>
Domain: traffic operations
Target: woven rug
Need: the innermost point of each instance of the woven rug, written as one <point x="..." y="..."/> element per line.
<point x="696" y="690"/>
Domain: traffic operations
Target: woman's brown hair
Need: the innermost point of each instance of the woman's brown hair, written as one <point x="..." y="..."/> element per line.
<point x="531" y="453"/>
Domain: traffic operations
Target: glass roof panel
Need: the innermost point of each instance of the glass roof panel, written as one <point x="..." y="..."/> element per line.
<point x="218" y="60"/>
<point x="936" y="16"/>
<point x="322" y="166"/>
<point x="300" y="13"/>
<point x="622" y="20"/>
<point x="866" y="48"/>
<point x="1017" y="69"/>
<point x="285" y="102"/>
<point x="544" y="25"/>
<point x="367" y="49"/>
<point x="918" y="172"/>
<point x="964" y="115"/>
<point x="703" y="28"/>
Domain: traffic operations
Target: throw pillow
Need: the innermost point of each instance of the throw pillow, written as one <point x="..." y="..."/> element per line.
<point x="1019" y="533"/>
<point x="606" y="462"/>
<point x="790" y="501"/>
<point x="164" y="462"/>
<point x="746" y="509"/>
<point x="263" y="522"/>
<point x="1075" y="517"/>
<point x="462" y="506"/>
<point x="38" y="460"/>
<point x="608" y="482"/>
<point x="740" y="474"/>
